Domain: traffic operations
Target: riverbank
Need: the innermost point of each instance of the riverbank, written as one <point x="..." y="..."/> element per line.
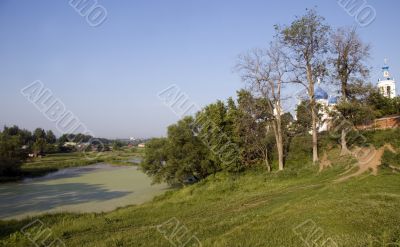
<point x="53" y="162"/>
<point x="252" y="209"/>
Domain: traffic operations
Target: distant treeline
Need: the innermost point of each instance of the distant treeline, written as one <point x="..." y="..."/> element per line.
<point x="16" y="145"/>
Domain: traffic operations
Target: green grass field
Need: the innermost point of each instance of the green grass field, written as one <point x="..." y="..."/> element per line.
<point x="290" y="208"/>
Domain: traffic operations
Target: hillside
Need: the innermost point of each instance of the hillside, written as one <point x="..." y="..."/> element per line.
<point x="290" y="208"/>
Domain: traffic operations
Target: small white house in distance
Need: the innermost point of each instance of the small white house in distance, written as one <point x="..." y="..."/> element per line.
<point x="141" y="145"/>
<point x="69" y="144"/>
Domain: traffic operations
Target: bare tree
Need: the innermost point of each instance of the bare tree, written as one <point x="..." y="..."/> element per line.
<point x="349" y="59"/>
<point x="264" y="71"/>
<point x="306" y="43"/>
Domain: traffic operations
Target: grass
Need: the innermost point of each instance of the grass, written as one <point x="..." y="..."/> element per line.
<point x="252" y="209"/>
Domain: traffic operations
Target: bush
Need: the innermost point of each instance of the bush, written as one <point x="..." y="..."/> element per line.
<point x="11" y="155"/>
<point x="391" y="159"/>
<point x="299" y="152"/>
<point x="378" y="138"/>
<point x="9" y="167"/>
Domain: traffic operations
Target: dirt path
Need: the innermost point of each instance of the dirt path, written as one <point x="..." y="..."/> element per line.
<point x="325" y="162"/>
<point x="368" y="159"/>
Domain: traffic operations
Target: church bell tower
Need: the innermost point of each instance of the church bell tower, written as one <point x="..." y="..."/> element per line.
<point x="387" y="86"/>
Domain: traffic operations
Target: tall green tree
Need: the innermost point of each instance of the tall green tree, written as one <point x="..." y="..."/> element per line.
<point x="39" y="133"/>
<point x="39" y="146"/>
<point x="25" y="136"/>
<point x="155" y="159"/>
<point x="50" y="137"/>
<point x="214" y="126"/>
<point x="306" y="42"/>
<point x="11" y="153"/>
<point x="180" y="157"/>
<point x="253" y="127"/>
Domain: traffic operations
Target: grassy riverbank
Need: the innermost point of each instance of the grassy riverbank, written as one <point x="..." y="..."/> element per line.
<point x="53" y="162"/>
<point x="254" y="209"/>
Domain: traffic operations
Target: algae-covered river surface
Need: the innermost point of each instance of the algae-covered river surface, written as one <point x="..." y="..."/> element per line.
<point x="94" y="188"/>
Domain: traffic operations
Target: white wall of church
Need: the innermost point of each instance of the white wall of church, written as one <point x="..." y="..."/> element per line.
<point x="387" y="88"/>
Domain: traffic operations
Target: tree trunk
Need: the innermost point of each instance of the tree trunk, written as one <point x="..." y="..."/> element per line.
<point x="266" y="161"/>
<point x="343" y="142"/>
<point x="314" y="115"/>
<point x="280" y="154"/>
<point x="279" y="139"/>
<point x="344" y="89"/>
<point x="314" y="133"/>
<point x="279" y="145"/>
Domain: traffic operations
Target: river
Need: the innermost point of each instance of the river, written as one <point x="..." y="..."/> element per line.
<point x="94" y="188"/>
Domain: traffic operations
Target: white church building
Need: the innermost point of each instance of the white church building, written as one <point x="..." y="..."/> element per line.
<point x="327" y="103"/>
<point x="387" y="87"/>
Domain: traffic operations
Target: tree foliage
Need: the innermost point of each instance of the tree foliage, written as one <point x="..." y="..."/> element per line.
<point x="224" y="136"/>
<point x="11" y="152"/>
<point x="180" y="158"/>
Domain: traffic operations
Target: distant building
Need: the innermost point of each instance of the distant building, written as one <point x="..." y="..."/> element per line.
<point x="69" y="144"/>
<point x="82" y="145"/>
<point x="387" y="86"/>
<point x="141" y="145"/>
<point x="327" y="103"/>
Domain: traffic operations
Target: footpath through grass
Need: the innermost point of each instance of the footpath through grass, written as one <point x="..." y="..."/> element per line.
<point x="253" y="209"/>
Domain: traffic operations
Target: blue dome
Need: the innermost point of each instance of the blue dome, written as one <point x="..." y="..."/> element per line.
<point x="320" y="93"/>
<point x="333" y="100"/>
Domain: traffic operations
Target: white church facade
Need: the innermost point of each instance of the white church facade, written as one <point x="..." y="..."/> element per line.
<point x="386" y="86"/>
<point x="327" y="103"/>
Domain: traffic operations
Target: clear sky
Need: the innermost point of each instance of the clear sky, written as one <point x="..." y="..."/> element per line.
<point x="109" y="75"/>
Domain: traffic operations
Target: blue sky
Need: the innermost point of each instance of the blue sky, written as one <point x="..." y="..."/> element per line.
<point x="109" y="76"/>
